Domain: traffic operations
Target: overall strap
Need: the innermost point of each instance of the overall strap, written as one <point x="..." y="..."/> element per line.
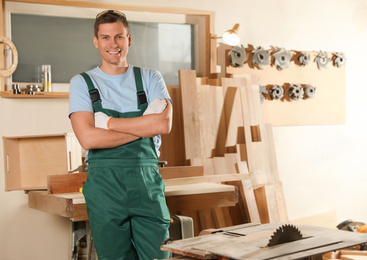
<point x="142" y="98"/>
<point x="93" y="93"/>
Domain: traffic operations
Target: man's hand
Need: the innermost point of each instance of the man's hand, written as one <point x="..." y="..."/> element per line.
<point x="101" y="120"/>
<point x="157" y="106"/>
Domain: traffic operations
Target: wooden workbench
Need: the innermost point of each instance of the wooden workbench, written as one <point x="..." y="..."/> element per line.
<point x="179" y="197"/>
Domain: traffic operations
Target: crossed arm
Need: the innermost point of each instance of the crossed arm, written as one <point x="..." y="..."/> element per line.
<point x="122" y="130"/>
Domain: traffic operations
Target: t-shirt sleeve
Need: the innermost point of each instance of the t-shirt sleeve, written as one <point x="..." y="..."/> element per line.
<point x="157" y="87"/>
<point x="79" y="99"/>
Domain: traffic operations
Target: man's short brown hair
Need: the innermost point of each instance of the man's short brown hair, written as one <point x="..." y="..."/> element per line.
<point x="110" y="16"/>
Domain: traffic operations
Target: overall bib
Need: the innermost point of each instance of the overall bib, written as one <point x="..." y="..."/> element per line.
<point x="124" y="193"/>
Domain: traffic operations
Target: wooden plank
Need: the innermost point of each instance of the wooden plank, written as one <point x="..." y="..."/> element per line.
<point x="181" y="172"/>
<point x="222" y="217"/>
<point x="231" y="161"/>
<point x="208" y="178"/>
<point x="281" y="203"/>
<point x="233" y="118"/>
<point x="209" y="168"/>
<point x="63" y="183"/>
<point x="249" y="196"/>
<point x="239" y="213"/>
<point x="198" y="188"/>
<point x="173" y="145"/>
<point x="353" y="252"/>
<point x="206" y="124"/>
<point x="261" y="159"/>
<point x="79" y="213"/>
<point x="206" y="219"/>
<point x="246" y="114"/>
<point x="262" y="204"/>
<point x="56" y="205"/>
<point x="70" y="205"/>
<point x="246" y="192"/>
<point x="219" y="165"/>
<point x="218" y="121"/>
<point x="201" y="201"/>
<point x="233" y="110"/>
<point x="191" y="115"/>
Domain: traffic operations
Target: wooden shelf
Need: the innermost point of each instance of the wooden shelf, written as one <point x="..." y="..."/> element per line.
<point x="9" y="94"/>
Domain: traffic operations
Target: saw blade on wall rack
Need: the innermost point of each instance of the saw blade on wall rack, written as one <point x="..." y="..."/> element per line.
<point x="282" y="59"/>
<point x="238" y="56"/>
<point x="260" y="58"/>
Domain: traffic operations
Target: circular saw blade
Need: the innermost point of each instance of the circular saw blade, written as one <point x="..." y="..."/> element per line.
<point x="284" y="234"/>
<point x="238" y="56"/>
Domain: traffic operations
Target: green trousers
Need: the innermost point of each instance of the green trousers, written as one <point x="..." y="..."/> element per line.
<point x="127" y="210"/>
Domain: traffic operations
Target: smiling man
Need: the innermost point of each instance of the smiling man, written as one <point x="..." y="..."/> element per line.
<point x="118" y="112"/>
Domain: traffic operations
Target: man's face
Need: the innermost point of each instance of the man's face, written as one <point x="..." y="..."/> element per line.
<point x="113" y="43"/>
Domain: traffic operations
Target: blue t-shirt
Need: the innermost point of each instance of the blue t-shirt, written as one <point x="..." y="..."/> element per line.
<point x="117" y="92"/>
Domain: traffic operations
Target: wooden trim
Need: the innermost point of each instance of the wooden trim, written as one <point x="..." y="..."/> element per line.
<point x="116" y="6"/>
<point x="203" y="20"/>
<point x="204" y="28"/>
<point x="2" y="32"/>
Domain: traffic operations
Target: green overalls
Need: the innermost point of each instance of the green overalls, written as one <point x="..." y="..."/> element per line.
<point x="124" y="193"/>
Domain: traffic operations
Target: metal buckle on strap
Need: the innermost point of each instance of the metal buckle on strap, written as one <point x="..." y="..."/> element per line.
<point x="142" y="98"/>
<point x="94" y="95"/>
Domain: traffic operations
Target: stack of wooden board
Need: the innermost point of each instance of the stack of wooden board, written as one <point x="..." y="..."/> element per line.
<point x="224" y="133"/>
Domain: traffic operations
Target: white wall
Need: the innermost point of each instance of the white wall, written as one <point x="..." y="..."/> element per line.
<point x="28" y="233"/>
<point x="322" y="167"/>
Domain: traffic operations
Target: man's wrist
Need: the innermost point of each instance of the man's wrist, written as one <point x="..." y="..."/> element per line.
<point x="109" y="122"/>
